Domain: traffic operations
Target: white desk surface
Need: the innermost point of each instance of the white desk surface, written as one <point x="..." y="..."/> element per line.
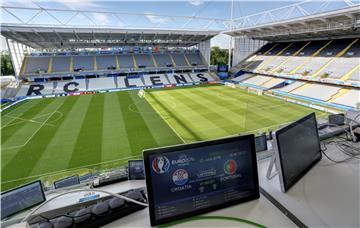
<point x="327" y="196"/>
<point x="260" y="211"/>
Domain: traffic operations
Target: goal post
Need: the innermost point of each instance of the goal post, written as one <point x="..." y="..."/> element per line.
<point x="255" y="90"/>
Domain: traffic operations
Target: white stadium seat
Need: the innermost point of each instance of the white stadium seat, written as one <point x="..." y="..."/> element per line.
<point x="156" y="79"/>
<point x="201" y="77"/>
<point x="179" y="78"/>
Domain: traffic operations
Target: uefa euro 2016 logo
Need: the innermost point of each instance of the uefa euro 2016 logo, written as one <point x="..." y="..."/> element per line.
<point x="180" y="177"/>
<point x="161" y="164"/>
<point x="230" y="167"/>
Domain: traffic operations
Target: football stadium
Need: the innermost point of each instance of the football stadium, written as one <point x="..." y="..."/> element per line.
<point x="129" y="118"/>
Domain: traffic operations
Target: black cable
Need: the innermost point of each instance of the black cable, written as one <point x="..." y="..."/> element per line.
<point x="343" y="145"/>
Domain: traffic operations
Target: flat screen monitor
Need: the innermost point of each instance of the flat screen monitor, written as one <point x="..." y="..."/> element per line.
<point x="191" y="179"/>
<point x="136" y="169"/>
<point x="261" y="143"/>
<point x="297" y="150"/>
<point x="21" y="198"/>
<point x="66" y="182"/>
<point x="337" y="119"/>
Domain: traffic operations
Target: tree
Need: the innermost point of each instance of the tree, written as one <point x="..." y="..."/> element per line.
<point x="6" y="66"/>
<point x="219" y="56"/>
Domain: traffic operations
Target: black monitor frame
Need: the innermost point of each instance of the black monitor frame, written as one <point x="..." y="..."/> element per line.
<point x="129" y="173"/>
<point x="55" y="182"/>
<point x="22" y="186"/>
<point x="279" y="159"/>
<point x="148" y="152"/>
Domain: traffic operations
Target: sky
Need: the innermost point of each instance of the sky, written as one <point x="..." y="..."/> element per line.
<point x="210" y="9"/>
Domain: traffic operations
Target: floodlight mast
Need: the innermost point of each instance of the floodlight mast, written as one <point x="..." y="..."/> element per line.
<point x="231" y="27"/>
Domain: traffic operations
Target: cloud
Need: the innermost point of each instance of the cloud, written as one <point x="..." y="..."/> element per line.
<point x="71" y="4"/>
<point x="159" y="20"/>
<point x="101" y="18"/>
<point x="196" y="2"/>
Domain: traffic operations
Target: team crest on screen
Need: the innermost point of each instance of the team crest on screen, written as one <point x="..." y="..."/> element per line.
<point x="230" y="167"/>
<point x="180" y="177"/>
<point x="161" y="164"/>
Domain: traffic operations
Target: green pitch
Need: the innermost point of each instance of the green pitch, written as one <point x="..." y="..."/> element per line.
<point x="59" y="136"/>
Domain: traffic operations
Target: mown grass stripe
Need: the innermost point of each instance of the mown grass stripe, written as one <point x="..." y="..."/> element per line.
<point x="115" y="142"/>
<point x="61" y="145"/>
<point x="88" y="145"/>
<point x="215" y="119"/>
<point x="19" y="131"/>
<point x="230" y="115"/>
<point x="27" y="156"/>
<point x="139" y="135"/>
<point x="15" y="111"/>
<point x="159" y="129"/>
<point x="177" y="121"/>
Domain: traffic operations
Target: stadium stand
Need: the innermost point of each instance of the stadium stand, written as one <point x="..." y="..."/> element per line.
<point x="102" y="83"/>
<point x="179" y="59"/>
<point x="108" y="83"/>
<point x="126" y="61"/>
<point x="60" y="64"/>
<point x="194" y="59"/>
<point x="125" y="82"/>
<point x="144" y="60"/>
<point x="106" y="62"/>
<point x="317" y="91"/>
<point x="201" y="77"/>
<point x="273" y="82"/>
<point x="179" y="78"/>
<point x="36" y="65"/>
<point x="76" y="62"/>
<point x="151" y="80"/>
<point x="320" y="59"/>
<point x="163" y="60"/>
<point x="292" y="86"/>
<point x="349" y="98"/>
<point x="83" y="63"/>
<point x="257" y="80"/>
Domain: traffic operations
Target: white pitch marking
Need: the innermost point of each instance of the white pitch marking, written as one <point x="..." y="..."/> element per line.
<point x="19" y="146"/>
<point x="24" y="120"/>
<point x="158" y="112"/>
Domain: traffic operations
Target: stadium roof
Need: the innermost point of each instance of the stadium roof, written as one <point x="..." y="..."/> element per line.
<point x="340" y="23"/>
<point x="90" y="37"/>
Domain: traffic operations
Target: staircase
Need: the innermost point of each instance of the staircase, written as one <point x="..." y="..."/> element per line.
<point x="340" y="92"/>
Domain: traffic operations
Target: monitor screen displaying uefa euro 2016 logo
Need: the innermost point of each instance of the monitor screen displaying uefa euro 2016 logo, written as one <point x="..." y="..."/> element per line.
<point x="160" y="164"/>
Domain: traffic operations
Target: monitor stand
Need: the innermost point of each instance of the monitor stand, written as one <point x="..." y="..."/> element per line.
<point x="270" y="174"/>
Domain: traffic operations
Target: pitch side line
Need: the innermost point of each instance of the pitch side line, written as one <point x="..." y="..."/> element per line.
<point x="10" y="122"/>
<point x="67" y="170"/>
<point x="19" y="146"/>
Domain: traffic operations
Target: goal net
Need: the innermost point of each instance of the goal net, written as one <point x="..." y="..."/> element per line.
<point x="231" y="85"/>
<point x="141" y="93"/>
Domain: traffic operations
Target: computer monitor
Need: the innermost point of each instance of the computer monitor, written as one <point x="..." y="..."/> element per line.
<point x="261" y="143"/>
<point x="297" y="150"/>
<point x="21" y="198"/>
<point x="136" y="169"/>
<point x="66" y="182"/>
<point x="337" y="119"/>
<point x="191" y="179"/>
